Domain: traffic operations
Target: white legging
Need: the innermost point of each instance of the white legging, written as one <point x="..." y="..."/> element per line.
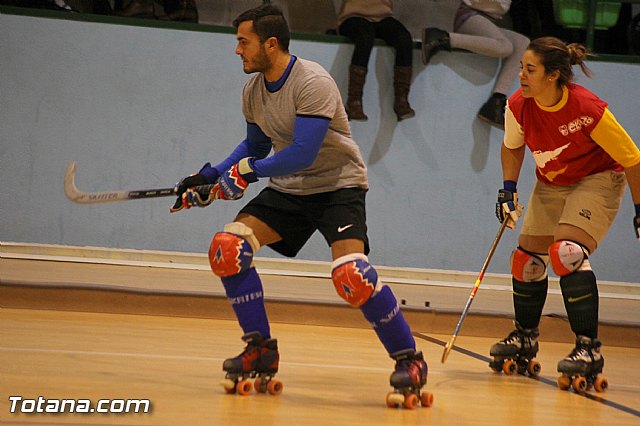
<point x="479" y="35"/>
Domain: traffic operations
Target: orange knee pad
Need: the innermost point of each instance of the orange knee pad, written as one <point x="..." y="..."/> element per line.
<point x="231" y="251"/>
<point x="355" y="280"/>
<point x="567" y="257"/>
<point x="527" y="266"/>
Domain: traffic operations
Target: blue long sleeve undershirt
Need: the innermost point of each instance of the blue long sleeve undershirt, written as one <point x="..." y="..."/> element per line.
<point x="308" y="134"/>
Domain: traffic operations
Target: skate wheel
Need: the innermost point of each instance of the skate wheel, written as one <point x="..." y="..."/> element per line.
<point x="244" y="387"/>
<point x="229" y="386"/>
<point x="579" y="384"/>
<point x="394" y="399"/>
<point x="533" y="368"/>
<point x="275" y="387"/>
<point x="410" y="401"/>
<point x="426" y="399"/>
<point x="260" y="385"/>
<point x="509" y="367"/>
<point x="564" y="382"/>
<point x="601" y="384"/>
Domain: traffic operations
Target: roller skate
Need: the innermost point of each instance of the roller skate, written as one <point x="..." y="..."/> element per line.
<point x="516" y="352"/>
<point x="409" y="377"/>
<point x="258" y="361"/>
<point x="582" y="367"/>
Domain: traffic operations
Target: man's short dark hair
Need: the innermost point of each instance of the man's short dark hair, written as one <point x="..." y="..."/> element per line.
<point x="268" y="21"/>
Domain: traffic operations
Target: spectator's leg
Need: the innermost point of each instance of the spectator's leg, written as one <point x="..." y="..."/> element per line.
<point x="361" y="32"/>
<point x="395" y="34"/>
<point x="478" y="34"/>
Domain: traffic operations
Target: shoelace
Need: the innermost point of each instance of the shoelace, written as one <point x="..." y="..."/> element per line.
<point x="512" y="338"/>
<point x="578" y="353"/>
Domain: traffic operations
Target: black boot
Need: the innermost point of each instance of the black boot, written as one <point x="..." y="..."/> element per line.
<point x="357" y="77"/>
<point x="401" y="85"/>
<point x="516" y="352"/>
<point x="434" y="40"/>
<point x="493" y="110"/>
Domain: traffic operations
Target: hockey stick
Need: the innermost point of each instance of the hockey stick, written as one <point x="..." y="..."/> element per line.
<point x="77" y="196"/>
<point x="449" y="345"/>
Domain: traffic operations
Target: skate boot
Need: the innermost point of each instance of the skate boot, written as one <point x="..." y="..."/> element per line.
<point x="258" y="361"/>
<point x="582" y="367"/>
<point x="409" y="377"/>
<point x="516" y="352"/>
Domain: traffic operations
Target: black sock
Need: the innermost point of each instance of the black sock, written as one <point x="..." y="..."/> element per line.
<point x="528" y="301"/>
<point x="580" y="294"/>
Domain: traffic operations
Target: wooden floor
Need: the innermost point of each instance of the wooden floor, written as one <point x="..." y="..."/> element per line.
<point x="332" y="375"/>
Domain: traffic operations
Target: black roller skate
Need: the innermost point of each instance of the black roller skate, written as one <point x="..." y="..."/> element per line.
<point x="259" y="360"/>
<point x="409" y="377"/>
<point x="582" y="367"/>
<point x="516" y="352"/>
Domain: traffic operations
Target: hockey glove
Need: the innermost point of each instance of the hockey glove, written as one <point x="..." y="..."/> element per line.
<point x="188" y="198"/>
<point x="507" y="207"/>
<point x="234" y="181"/>
<point x="636" y="221"/>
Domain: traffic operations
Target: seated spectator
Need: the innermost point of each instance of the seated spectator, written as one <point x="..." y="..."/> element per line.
<point x="534" y="18"/>
<point x="363" y="21"/>
<point x="475" y="30"/>
<point x="172" y="10"/>
<point x="60" y="5"/>
<point x="99" y="7"/>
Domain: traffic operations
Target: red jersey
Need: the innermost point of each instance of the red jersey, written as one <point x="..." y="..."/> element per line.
<point x="575" y="138"/>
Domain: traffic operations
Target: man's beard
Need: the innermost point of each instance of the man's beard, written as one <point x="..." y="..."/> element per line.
<point x="261" y="63"/>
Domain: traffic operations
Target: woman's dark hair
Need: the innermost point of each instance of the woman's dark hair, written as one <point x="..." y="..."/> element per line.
<point x="268" y="21"/>
<point x="556" y="55"/>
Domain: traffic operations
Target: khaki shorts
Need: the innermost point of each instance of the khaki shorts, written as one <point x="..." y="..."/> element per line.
<point x="591" y="205"/>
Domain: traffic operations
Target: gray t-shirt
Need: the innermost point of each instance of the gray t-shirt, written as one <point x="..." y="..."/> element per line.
<point x="308" y="91"/>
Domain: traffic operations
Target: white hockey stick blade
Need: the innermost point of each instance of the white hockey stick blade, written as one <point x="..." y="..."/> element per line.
<point x="77" y="196"/>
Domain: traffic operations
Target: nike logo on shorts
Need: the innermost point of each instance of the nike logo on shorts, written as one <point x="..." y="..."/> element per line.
<point x="344" y="228"/>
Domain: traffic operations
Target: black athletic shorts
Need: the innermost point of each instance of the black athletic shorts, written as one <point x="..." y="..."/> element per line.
<point x="338" y="215"/>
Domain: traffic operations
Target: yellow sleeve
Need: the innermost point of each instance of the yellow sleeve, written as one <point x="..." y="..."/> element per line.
<point x="612" y="137"/>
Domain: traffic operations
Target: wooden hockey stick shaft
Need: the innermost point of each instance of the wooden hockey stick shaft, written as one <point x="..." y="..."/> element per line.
<point x="77" y="196"/>
<point x="449" y="345"/>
